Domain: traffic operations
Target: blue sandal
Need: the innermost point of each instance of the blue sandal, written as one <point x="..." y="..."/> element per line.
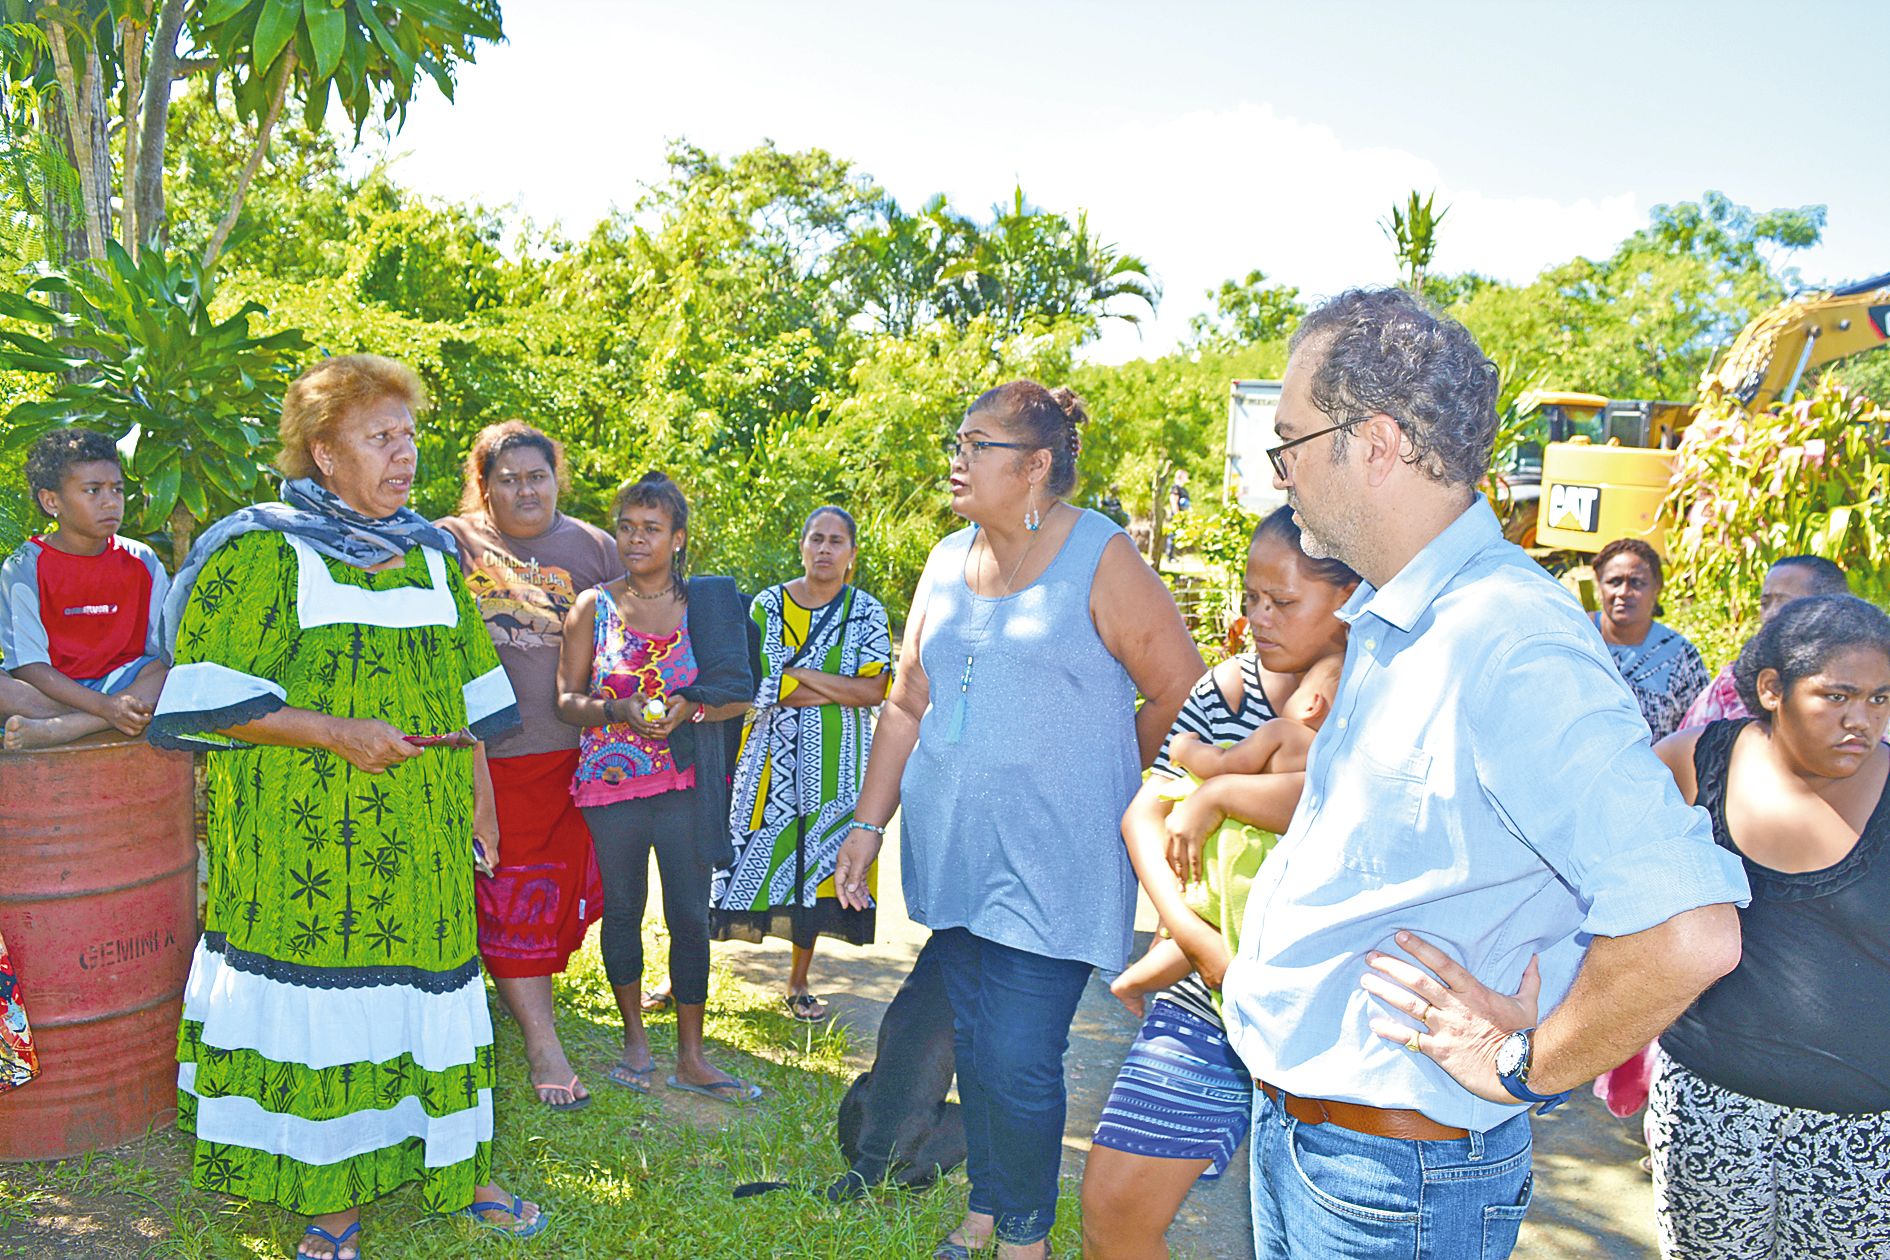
<point x="325" y="1236"/>
<point x="515" y="1209"/>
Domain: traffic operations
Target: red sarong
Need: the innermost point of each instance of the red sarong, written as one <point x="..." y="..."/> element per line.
<point x="534" y="910"/>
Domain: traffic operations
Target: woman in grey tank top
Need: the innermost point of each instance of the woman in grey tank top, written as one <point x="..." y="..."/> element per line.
<point x="1012" y="741"/>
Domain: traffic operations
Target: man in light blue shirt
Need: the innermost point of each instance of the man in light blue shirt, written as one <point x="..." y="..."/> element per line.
<point x="1483" y="793"/>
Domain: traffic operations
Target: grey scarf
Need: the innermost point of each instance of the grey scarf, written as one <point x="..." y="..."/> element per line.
<point x="317" y="516"/>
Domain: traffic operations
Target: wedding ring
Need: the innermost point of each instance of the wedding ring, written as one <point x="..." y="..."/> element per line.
<point x="1425" y="1018"/>
<point x="1412" y="1045"/>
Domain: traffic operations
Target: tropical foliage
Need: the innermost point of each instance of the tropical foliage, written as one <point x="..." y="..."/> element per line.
<point x="138" y="355"/>
<point x="771" y="326"/>
<point x="1807" y="477"/>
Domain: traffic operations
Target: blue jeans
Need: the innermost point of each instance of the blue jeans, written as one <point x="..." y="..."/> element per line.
<point x="1011" y="1013"/>
<point x="1320" y="1191"/>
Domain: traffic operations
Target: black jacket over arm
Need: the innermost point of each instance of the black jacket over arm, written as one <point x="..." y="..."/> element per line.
<point x="717" y="618"/>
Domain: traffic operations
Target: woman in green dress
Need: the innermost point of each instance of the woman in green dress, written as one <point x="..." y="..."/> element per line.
<point x="335" y="1042"/>
<point x="825" y="661"/>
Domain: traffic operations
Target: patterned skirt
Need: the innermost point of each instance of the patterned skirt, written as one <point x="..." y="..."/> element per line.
<point x="1738" y="1178"/>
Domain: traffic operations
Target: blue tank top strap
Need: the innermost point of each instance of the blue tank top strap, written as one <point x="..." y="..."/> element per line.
<point x="1082" y="550"/>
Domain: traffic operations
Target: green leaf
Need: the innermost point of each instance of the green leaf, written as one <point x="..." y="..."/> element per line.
<point x="317" y="107"/>
<point x="328" y="33"/>
<point x="219" y="11"/>
<point x="160" y="488"/>
<point x="190" y="490"/>
<point x="128" y="445"/>
<point x="274" y="29"/>
<point x="18" y="306"/>
<point x="454" y="17"/>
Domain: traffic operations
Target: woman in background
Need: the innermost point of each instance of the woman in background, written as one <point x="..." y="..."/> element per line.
<point x="525" y="562"/>
<point x="1659" y="665"/>
<point x="826" y="657"/>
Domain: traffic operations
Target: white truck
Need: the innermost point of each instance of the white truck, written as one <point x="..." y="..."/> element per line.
<point x="1248" y="477"/>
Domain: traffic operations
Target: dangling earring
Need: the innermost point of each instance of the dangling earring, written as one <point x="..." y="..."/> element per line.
<point x="1033" y="519"/>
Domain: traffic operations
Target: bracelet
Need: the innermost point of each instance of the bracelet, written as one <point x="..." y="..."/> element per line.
<point x="698" y="715"/>
<point x="860" y="826"/>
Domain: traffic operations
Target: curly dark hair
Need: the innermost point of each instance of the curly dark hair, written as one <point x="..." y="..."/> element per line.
<point x="1801" y="639"/>
<point x="54" y="454"/>
<point x="1387" y="350"/>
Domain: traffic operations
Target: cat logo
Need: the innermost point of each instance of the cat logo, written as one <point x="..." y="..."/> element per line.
<point x="1575" y="507"/>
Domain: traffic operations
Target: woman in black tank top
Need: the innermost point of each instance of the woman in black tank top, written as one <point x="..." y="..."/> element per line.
<point x="1771" y="1102"/>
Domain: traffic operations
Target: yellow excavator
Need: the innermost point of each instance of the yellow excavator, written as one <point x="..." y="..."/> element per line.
<point x="1606" y="463"/>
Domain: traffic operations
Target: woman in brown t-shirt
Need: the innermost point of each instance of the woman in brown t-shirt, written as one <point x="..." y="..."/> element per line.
<point x="525" y="562"/>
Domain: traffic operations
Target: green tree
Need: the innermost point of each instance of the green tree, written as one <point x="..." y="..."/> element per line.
<point x="114" y="63"/>
<point x="1246" y="311"/>
<point x="1029" y="265"/>
<point x="1644" y="322"/>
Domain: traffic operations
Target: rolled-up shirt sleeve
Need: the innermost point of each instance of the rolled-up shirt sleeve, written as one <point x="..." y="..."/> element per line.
<point x="1564" y="758"/>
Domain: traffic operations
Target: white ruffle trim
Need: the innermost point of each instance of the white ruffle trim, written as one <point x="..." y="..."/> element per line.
<point x="320" y="1028"/>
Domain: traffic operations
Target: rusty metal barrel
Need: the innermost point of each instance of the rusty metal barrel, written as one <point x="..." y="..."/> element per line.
<point x="98" y="905"/>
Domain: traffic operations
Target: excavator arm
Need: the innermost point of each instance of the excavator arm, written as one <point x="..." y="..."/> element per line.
<point x="1774" y="351"/>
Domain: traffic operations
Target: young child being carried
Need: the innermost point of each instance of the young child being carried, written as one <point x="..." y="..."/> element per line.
<point x="1234" y="852"/>
<point x="79" y="607"/>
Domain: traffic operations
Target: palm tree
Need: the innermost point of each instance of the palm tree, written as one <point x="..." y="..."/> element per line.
<point x="1029" y="264"/>
<point x="1412" y="228"/>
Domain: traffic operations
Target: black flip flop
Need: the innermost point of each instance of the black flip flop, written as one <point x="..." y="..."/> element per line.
<point x="801" y="1008"/>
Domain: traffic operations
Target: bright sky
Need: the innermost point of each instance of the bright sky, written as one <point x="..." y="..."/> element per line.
<point x="1209" y="138"/>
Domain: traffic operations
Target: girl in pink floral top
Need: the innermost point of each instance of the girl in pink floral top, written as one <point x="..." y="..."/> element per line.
<point x="615" y="761"/>
<point x="642" y="661"/>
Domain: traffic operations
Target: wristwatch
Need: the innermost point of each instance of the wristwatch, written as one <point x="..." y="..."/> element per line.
<point x="1513" y="1060"/>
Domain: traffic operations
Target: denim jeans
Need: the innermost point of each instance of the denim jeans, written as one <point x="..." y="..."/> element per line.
<point x="1321" y="1192"/>
<point x="1011" y="1013"/>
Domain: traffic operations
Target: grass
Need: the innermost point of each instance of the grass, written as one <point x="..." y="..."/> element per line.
<point x="629" y="1176"/>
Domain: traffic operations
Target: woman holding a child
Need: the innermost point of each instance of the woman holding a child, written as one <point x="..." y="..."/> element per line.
<point x="1182" y="1102"/>
<point x="329" y="657"/>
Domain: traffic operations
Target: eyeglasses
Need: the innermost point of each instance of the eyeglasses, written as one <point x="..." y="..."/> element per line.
<point x="956" y="449"/>
<point x="1277" y="453"/>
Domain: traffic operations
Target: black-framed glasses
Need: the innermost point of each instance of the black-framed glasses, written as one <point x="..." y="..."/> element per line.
<point x="1276" y="454"/>
<point x="956" y="448"/>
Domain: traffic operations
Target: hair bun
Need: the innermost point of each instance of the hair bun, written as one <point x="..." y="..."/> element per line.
<point x="1071" y="404"/>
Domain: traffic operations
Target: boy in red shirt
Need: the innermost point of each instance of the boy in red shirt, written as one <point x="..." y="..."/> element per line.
<point x="79" y="607"/>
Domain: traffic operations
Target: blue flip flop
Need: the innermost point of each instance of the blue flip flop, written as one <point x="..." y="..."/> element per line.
<point x="729" y="1091"/>
<point x="515" y="1209"/>
<point x="325" y="1236"/>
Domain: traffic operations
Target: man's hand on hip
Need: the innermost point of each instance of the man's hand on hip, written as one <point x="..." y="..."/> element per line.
<point x="1461" y="1021"/>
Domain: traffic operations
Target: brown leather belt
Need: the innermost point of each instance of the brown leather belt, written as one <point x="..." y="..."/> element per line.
<point x="1411" y="1126"/>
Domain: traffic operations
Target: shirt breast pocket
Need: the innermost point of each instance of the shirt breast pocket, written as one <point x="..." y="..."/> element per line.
<point x="1385" y="842"/>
